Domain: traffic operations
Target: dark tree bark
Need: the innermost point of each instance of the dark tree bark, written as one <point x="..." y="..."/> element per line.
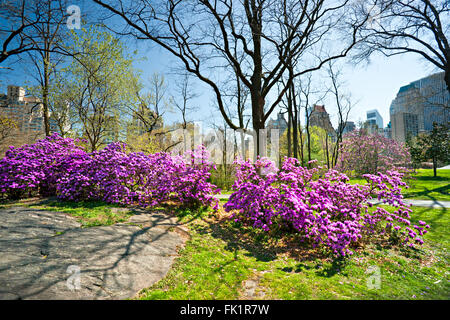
<point x="289" y="133"/>
<point x="294" y="122"/>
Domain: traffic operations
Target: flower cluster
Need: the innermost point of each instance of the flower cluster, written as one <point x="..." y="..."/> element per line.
<point x="363" y="153"/>
<point x="33" y="168"/>
<point x="320" y="205"/>
<point x="56" y="166"/>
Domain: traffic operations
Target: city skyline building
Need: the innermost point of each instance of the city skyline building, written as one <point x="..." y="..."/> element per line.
<point x="347" y="126"/>
<point x="374" y="118"/>
<point x="319" y="117"/>
<point x="418" y="105"/>
<point x="387" y="131"/>
<point x="279" y="123"/>
<point x="26" y="112"/>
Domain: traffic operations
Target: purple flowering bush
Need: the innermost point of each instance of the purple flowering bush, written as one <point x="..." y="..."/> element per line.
<point x="34" y="168"/>
<point x="56" y="166"/>
<point x="320" y="205"/>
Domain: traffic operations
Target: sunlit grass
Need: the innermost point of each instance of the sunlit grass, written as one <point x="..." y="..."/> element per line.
<point x="220" y="258"/>
<point x="88" y="213"/>
<point x="422" y="185"/>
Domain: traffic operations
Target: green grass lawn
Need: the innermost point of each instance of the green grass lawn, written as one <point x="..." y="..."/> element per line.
<point x="224" y="261"/>
<point x="88" y="213"/>
<point x="423" y="185"/>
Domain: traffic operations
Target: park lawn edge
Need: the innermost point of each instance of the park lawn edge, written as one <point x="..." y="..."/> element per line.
<point x="223" y="260"/>
<point x="213" y="266"/>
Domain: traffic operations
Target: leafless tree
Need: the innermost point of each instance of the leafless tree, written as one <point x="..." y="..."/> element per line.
<point x="183" y="104"/>
<point x="16" y="19"/>
<point x="183" y="100"/>
<point x="236" y="98"/>
<point x="151" y="106"/>
<point x="294" y="131"/>
<point x="343" y="107"/>
<point x="221" y="143"/>
<point x="47" y="38"/>
<point x="308" y="95"/>
<point x="408" y="26"/>
<point x="205" y="34"/>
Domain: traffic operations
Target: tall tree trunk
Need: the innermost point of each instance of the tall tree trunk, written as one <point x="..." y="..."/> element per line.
<point x="308" y="141"/>
<point x="308" y="133"/>
<point x="257" y="98"/>
<point x="302" y="156"/>
<point x="294" y="122"/>
<point x="289" y="142"/>
<point x="434" y="167"/>
<point x="241" y="134"/>
<point x="327" y="153"/>
<point x="289" y="134"/>
<point x="224" y="152"/>
<point x="336" y="149"/>
<point x="258" y="121"/>
<point x="45" y="93"/>
<point x="290" y="121"/>
<point x="447" y="78"/>
<point x="46" y="56"/>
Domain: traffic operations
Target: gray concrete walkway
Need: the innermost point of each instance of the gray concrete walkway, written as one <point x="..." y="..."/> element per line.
<point x="434" y="204"/>
<point x="419" y="203"/>
<point x="46" y="255"/>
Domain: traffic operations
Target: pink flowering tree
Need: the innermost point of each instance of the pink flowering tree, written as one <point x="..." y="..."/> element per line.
<point x="363" y="153"/>
<point x="321" y="206"/>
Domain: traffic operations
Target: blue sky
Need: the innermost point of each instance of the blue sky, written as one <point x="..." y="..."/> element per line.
<point x="373" y="85"/>
<point x="376" y="84"/>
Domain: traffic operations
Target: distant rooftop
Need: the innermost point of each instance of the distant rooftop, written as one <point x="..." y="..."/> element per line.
<point x="319" y="108"/>
<point x="416" y="82"/>
<point x="407" y="87"/>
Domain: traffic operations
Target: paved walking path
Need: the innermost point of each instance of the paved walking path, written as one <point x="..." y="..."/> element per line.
<point x="435" y="204"/>
<point x="46" y="255"/>
<point x="414" y="202"/>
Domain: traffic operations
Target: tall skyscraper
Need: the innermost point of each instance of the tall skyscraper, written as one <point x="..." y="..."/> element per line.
<point x="374" y="118"/>
<point x="388" y="131"/>
<point x="419" y="104"/>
